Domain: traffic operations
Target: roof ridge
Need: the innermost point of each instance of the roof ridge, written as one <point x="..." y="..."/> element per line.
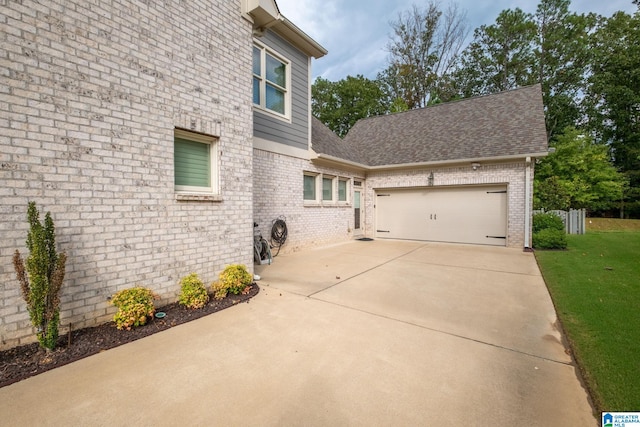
<point x="442" y="104"/>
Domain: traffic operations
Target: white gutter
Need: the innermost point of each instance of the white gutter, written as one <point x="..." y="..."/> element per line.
<point x="527" y="204"/>
<point x="433" y="163"/>
<point x="338" y="160"/>
<point x="264" y="14"/>
<point x="309" y="45"/>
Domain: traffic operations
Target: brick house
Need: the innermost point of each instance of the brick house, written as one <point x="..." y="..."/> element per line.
<point x="132" y="122"/>
<point x="157" y="133"/>
<point x="457" y="172"/>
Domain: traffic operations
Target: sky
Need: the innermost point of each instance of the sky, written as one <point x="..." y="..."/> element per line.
<point x="355" y="32"/>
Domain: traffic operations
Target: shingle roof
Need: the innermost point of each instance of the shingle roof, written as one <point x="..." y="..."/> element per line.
<point x="504" y="124"/>
<point x="325" y="141"/>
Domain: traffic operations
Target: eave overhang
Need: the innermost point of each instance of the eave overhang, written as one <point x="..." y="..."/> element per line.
<point x="264" y="15"/>
<point x="325" y="158"/>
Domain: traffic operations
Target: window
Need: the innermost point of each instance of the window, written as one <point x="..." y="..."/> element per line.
<point x="342" y="190"/>
<point x="327" y="189"/>
<point x="270" y="81"/>
<point x="309" y="187"/>
<point x="194" y="161"/>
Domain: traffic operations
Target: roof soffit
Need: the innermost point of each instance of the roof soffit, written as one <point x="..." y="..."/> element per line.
<point x="263" y="13"/>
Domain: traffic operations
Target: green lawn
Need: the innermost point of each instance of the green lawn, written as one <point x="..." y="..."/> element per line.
<point x="612" y="224"/>
<point x="595" y="286"/>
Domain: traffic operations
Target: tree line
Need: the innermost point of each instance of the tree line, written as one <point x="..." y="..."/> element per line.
<point x="588" y="66"/>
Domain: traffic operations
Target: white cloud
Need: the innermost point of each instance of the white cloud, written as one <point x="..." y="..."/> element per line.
<point x="355" y="32"/>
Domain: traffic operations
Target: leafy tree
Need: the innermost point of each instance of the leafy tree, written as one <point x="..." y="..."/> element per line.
<point x="561" y="58"/>
<point x="500" y="57"/>
<point x="578" y="175"/>
<point x="423" y="49"/>
<point x="549" y="47"/>
<point x="613" y="101"/>
<point x="41" y="278"/>
<point x="339" y="105"/>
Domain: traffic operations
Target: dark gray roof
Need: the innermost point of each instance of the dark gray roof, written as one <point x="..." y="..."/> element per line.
<point x="504" y="124"/>
<point x="325" y="141"/>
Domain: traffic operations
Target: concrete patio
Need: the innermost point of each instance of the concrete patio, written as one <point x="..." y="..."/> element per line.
<point x="361" y="333"/>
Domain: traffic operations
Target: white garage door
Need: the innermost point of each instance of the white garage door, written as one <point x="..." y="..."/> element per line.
<point x="473" y="214"/>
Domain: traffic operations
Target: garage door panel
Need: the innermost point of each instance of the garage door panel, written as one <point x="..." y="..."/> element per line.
<point x="401" y="213"/>
<point x="462" y="215"/>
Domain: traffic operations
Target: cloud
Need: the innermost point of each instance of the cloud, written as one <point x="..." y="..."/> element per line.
<point x="355" y="32"/>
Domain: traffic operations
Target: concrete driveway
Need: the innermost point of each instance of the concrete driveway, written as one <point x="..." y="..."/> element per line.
<point x="362" y="333"/>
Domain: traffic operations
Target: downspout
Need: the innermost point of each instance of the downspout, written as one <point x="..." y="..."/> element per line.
<point x="527" y="205"/>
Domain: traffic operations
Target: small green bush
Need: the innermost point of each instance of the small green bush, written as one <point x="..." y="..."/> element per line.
<point x="41" y="277"/>
<point x="550" y="238"/>
<point x="235" y="279"/>
<point x="543" y="221"/>
<point x="193" y="293"/>
<point x="135" y="305"/>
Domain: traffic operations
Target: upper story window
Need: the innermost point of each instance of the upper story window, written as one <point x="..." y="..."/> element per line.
<point x="271" y="82"/>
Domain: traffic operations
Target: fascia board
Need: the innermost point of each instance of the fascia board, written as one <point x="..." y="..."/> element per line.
<point x="438" y="163"/>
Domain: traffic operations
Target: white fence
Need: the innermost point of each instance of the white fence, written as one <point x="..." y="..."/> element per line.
<point x="574" y="220"/>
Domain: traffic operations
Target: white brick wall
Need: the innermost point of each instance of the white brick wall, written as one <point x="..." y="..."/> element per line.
<point x="278" y="191"/>
<point x="90" y="94"/>
<point x="512" y="174"/>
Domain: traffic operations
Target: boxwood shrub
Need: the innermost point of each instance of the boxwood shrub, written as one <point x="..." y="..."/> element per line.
<point x="549" y="232"/>
<point x="550" y="238"/>
<point x="542" y="221"/>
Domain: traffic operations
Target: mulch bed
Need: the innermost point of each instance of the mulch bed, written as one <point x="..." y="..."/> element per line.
<point x="22" y="362"/>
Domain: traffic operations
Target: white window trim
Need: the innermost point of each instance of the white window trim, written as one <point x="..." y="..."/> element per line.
<point x="347" y="191"/>
<point x="333" y="180"/>
<point x="212" y="142"/>
<point x="316" y="179"/>
<point x="287" y="94"/>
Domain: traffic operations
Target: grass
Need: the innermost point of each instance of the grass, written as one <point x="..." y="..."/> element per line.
<point x="612" y="224"/>
<point x="595" y="286"/>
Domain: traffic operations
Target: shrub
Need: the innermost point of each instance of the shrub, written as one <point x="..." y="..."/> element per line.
<point x="543" y="221"/>
<point x="193" y="293"/>
<point x="134" y="306"/>
<point x="234" y="278"/>
<point x="550" y="238"/>
<point x="41" y="277"/>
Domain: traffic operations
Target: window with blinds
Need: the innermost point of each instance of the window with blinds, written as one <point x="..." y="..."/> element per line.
<point x="194" y="162"/>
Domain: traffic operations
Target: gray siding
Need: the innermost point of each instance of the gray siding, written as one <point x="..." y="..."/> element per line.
<point x="296" y="133"/>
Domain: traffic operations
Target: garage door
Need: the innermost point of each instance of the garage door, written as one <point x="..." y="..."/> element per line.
<point x="470" y="214"/>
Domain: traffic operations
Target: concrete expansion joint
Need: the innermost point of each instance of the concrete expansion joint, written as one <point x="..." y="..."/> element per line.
<point x="491" y="270"/>
<point x="524" y="353"/>
<point x="365" y="271"/>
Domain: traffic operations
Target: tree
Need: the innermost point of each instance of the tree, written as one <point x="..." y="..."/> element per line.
<point x="613" y="101"/>
<point x="561" y="58"/>
<point x="41" y="278"/>
<point x="339" y="105"/>
<point x="500" y="57"/>
<point x="550" y="47"/>
<point x="578" y="175"/>
<point x="423" y="49"/>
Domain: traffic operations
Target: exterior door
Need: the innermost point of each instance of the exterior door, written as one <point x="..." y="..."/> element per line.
<point x="356" y="210"/>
